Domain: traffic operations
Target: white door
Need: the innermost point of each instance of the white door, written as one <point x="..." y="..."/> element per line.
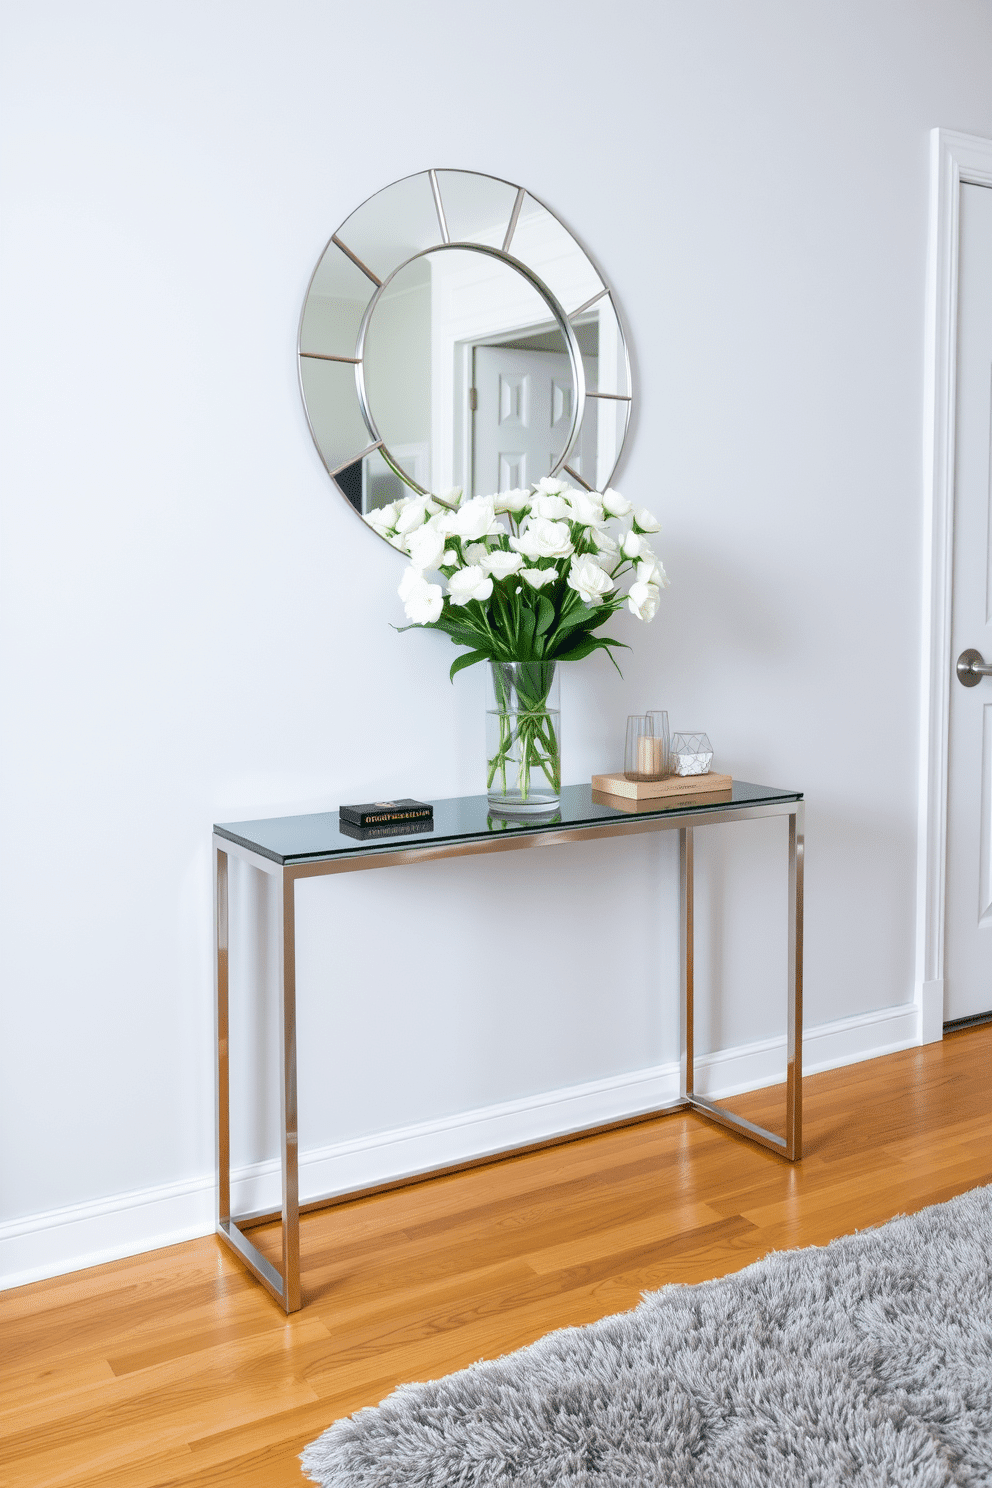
<point x="522" y="418"/>
<point x="968" y="924"/>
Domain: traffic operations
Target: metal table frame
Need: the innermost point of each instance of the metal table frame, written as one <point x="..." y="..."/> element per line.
<point x="284" y="1285"/>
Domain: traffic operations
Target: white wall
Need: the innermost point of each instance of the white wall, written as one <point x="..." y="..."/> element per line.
<point x="196" y="627"/>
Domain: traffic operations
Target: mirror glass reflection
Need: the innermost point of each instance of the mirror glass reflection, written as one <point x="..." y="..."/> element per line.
<point x="464" y="376"/>
<point x="468" y="374"/>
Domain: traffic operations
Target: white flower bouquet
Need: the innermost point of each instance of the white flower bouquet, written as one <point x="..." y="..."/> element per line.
<point x="527" y="578"/>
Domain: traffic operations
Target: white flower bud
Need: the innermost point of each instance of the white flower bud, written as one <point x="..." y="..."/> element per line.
<point x="615" y="504"/>
<point x="642" y="601"/>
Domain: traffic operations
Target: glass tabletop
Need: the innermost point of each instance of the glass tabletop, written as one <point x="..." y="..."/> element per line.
<point x="300" y="839"/>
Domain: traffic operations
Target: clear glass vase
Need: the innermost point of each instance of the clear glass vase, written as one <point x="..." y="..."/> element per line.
<point x="523" y="737"/>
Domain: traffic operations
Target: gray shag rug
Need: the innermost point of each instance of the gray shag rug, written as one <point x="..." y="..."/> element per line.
<point x="867" y="1362"/>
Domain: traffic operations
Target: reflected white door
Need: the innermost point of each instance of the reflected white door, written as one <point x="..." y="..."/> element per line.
<point x="522" y="418"/>
<point x="968" y="924"/>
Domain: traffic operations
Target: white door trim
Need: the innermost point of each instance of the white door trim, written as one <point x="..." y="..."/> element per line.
<point x="955" y="159"/>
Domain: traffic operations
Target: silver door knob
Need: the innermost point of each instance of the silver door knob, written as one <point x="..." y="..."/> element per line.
<point x="971" y="668"/>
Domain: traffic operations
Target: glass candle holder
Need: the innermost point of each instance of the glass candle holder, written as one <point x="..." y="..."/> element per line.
<point x="659" y="718"/>
<point x="646" y="749"/>
<point x="692" y="754"/>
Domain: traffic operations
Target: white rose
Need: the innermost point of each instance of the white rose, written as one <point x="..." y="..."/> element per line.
<point x="642" y="600"/>
<point x="468" y="584"/>
<point x="443" y="522"/>
<point x="633" y="545"/>
<point x="588" y="579"/>
<point x="425" y="547"/>
<point x="382" y="518"/>
<point x="501" y="564"/>
<point x="476" y="518"/>
<point x="475" y="552"/>
<point x="449" y="556"/>
<point x="423" y="602"/>
<point x="412" y="513"/>
<point x="512" y="501"/>
<point x="411" y="578"/>
<point x="544" y="539"/>
<point x="652" y="572"/>
<point x="604" y="541"/>
<point x="551" y="485"/>
<point x="615" y="504"/>
<point x="586" y="509"/>
<point x="552" y="508"/>
<point x="538" y="577"/>
<point x="645" y="521"/>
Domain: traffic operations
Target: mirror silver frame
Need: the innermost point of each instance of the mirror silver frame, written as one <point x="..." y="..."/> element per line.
<point x="379" y="283"/>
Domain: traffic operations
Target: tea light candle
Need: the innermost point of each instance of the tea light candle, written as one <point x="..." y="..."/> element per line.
<point x="650" y="756"/>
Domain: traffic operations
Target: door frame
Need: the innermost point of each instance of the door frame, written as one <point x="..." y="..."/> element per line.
<point x="955" y="160"/>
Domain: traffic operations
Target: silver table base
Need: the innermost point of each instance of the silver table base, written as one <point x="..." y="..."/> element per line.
<point x="284" y="1284"/>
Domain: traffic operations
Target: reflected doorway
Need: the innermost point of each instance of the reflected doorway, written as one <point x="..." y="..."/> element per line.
<point x="520" y="404"/>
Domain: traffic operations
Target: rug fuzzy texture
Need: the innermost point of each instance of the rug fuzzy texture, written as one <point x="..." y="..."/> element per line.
<point x="866" y="1362"/>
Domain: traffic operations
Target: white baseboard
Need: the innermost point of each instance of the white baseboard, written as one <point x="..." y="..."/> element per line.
<point x="82" y="1235"/>
<point x="125" y="1224"/>
<point x="930" y="1001"/>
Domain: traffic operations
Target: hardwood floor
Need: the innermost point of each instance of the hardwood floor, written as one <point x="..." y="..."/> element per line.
<point x="174" y="1368"/>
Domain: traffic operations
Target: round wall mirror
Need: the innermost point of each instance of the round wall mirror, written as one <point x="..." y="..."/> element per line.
<point x="455" y="335"/>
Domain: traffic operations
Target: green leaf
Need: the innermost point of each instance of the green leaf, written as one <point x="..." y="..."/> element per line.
<point x="545" y="614"/>
<point x="579" y="614"/>
<point x="581" y="648"/>
<point x="469" y="658"/>
<point x="586" y="645"/>
<point x="467" y="635"/>
<point x="562" y="640"/>
<point x="526" y="624"/>
<point x="465" y="625"/>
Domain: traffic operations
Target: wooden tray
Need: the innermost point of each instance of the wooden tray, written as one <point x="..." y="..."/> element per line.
<point x="661" y="803"/>
<point x="652" y="790"/>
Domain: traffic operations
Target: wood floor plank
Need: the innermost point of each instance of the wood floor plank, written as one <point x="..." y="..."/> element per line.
<point x="245" y="1317"/>
<point x="21" y="1387"/>
<point x="167" y="1402"/>
<point x="175" y="1368"/>
<point x="58" y="1328"/>
<point x="678" y="1222"/>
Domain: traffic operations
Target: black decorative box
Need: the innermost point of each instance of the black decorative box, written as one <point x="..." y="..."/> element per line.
<point x="387" y="813"/>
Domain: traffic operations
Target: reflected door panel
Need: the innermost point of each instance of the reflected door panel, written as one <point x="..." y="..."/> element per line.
<point x="523" y="416"/>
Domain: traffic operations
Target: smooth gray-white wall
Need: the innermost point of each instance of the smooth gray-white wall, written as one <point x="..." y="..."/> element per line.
<point x="197" y="628"/>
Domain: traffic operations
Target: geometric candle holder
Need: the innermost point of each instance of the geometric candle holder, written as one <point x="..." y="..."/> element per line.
<point x="692" y="754"/>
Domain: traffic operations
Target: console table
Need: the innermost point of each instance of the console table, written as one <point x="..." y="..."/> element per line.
<point x="295" y="847"/>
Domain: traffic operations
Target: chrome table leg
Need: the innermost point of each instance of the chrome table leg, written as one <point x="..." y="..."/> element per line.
<point x="794" y="1077"/>
<point x="686" y="983"/>
<point x="221" y="939"/>
<point x="288" y="1100"/>
<point x="285" y="1287"/>
<point x="790" y="1146"/>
